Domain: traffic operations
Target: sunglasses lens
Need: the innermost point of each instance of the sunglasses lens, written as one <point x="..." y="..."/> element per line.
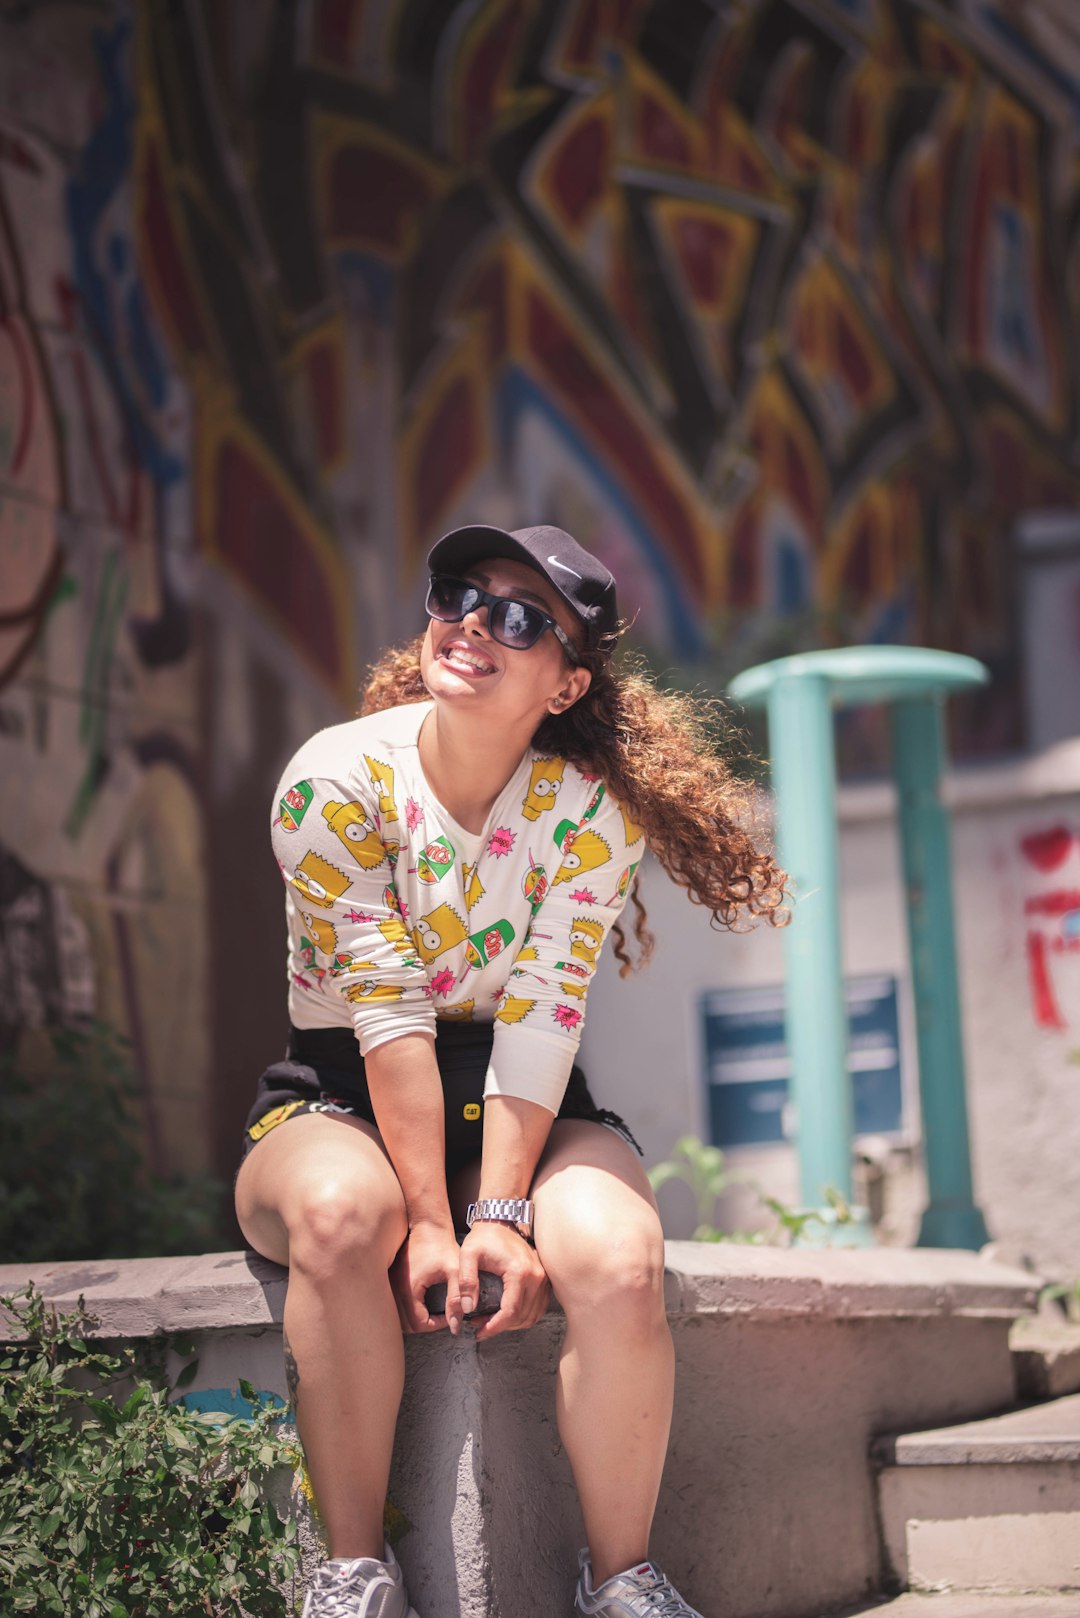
<point x="516" y="624"/>
<point x="450" y="599"/>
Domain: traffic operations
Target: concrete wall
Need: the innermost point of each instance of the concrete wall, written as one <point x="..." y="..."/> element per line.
<point x="787" y="1366"/>
<point x="1016" y="850"/>
<point x="767" y="303"/>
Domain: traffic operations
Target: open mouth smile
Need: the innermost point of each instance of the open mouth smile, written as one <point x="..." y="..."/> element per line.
<point x="465" y="659"/>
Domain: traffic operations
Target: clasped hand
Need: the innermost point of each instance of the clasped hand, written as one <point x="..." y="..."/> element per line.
<point x="430" y="1254"/>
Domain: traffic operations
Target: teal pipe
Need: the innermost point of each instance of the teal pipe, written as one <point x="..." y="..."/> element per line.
<point x="951" y="1218"/>
<point x="804" y="782"/>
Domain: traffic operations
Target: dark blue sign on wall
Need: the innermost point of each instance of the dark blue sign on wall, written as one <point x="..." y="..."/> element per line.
<point x="747" y="1069"/>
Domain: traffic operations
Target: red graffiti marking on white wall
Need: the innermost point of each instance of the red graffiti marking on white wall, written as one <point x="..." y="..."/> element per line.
<point x="1052" y="909"/>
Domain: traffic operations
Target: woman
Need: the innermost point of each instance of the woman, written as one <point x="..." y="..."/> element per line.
<point x="455" y="859"/>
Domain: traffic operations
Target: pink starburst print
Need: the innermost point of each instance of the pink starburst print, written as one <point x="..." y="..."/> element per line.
<point x="414" y="814"/>
<point x="501" y="841"/>
<point x="359" y="915"/>
<point x="582" y="896"/>
<point x="566" y="1017"/>
<point x="443" y="982"/>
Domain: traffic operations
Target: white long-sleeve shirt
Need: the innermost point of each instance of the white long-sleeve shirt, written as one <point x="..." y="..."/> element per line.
<point x="398" y="916"/>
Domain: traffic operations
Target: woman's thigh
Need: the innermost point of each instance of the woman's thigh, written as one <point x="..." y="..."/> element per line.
<point x="324" y="1177"/>
<point x="597" y="1226"/>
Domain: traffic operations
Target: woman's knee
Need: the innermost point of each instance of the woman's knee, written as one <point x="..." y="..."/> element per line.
<point x="599" y="1259"/>
<point x="342" y="1222"/>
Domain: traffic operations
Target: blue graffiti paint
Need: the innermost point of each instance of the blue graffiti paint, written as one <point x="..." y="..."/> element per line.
<point x="101" y="173"/>
<point x="229" y="1402"/>
<point x="516" y="396"/>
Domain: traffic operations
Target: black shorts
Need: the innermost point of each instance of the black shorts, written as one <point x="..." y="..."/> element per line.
<point x="323" y="1071"/>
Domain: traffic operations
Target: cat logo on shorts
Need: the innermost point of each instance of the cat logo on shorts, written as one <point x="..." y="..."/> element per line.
<point x="270" y="1120"/>
<point x="471" y="1111"/>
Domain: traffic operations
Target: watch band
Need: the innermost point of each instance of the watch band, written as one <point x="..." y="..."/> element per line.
<point x="505" y="1210"/>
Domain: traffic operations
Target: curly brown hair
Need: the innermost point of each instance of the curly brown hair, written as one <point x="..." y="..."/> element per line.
<point x="655" y="752"/>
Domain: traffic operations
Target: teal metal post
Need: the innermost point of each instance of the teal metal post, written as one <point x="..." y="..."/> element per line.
<point x="804" y="782"/>
<point x="951" y="1218"/>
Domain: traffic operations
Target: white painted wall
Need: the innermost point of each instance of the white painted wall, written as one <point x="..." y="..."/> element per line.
<point x="1016" y="845"/>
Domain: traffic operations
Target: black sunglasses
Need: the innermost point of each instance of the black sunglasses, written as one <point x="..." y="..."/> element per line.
<point x="517" y="624"/>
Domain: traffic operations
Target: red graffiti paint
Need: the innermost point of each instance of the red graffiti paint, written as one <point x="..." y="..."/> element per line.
<point x="1046" y="850"/>
<point x="1043" y="1000"/>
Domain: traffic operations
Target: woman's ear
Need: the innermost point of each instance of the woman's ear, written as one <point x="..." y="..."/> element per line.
<point x="574" y="688"/>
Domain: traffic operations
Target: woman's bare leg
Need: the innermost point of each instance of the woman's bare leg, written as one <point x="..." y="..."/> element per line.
<point x="318" y="1194"/>
<point x="599" y="1238"/>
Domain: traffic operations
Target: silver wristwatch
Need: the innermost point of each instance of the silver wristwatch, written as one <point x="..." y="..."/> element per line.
<point x="516" y="1211"/>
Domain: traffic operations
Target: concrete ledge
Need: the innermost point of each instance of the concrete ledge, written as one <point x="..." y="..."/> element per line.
<point x="1040" y="1434"/>
<point x="222" y="1291"/>
<point x="1046" y="1353"/>
<point x="788" y="1364"/>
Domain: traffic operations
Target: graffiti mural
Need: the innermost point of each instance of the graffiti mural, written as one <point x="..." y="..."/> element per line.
<point x="1050" y="862"/>
<point x="773" y="304"/>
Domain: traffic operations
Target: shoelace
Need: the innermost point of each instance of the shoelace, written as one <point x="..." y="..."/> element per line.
<point x="335" y="1597"/>
<point x="661" y="1596"/>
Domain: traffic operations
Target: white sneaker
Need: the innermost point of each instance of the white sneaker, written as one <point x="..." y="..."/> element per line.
<point x="640" y="1592"/>
<point x="358" y="1587"/>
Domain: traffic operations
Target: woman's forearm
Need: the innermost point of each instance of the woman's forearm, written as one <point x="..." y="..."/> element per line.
<point x="407" y="1099"/>
<point x="515" y="1134"/>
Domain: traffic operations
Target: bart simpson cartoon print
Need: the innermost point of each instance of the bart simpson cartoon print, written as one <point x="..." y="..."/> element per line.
<point x="545" y="780"/>
<point x="474" y="888"/>
<point x="320" y="882"/>
<point x="459" y="1013"/>
<point x="349" y="822"/>
<point x="586" y="937"/>
<point x="582" y="851"/>
<point x="632" y="830"/>
<point x="382" y="779"/>
<point x="441" y="929"/>
<point x="514" y="1008"/>
<point x="322" y="932"/>
<point x="395" y="932"/>
<point x="371" y="989"/>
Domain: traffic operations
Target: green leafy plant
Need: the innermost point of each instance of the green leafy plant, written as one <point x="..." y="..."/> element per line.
<point x="72" y="1181"/>
<point x="704" y="1170"/>
<point x="1067" y="1293"/>
<point x="116" y="1501"/>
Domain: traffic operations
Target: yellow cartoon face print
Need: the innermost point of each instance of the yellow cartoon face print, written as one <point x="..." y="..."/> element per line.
<point x="382" y="779"/>
<point x="371" y="989"/>
<point x="586" y="936"/>
<point x="514" y="1008"/>
<point x="631" y="829"/>
<point x="441" y="929"/>
<point x="587" y="851"/>
<point x="322" y="932"/>
<point x="474" y="888"/>
<point x="349" y="822"/>
<point x="460" y="1013"/>
<point x="545" y="779"/>
<point x="319" y="881"/>
<point x="395" y="932"/>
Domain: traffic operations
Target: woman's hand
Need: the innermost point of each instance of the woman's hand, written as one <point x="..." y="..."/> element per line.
<point x="500" y="1249"/>
<point x="428" y="1255"/>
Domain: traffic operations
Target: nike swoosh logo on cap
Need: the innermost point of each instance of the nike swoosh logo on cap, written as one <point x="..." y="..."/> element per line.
<point x="555" y="563"/>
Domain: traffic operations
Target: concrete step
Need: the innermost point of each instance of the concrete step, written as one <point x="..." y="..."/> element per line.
<point x="989" y="1505"/>
<point x="968" y="1605"/>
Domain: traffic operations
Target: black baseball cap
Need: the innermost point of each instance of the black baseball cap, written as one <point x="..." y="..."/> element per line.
<point x="584" y="583"/>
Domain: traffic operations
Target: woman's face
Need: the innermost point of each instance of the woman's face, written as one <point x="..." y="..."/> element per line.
<point x="461" y="664"/>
